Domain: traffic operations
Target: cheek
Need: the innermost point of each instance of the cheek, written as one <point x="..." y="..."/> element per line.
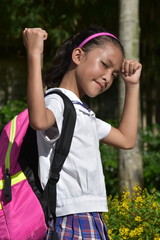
<point x="81" y="77"/>
<point x="88" y="70"/>
<point x="108" y="85"/>
<point x="85" y="73"/>
<point x="92" y="72"/>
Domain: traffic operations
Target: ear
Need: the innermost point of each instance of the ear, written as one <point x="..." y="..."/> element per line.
<point x="77" y="55"/>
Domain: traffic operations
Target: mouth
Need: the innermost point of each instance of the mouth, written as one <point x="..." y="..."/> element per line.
<point x="99" y="84"/>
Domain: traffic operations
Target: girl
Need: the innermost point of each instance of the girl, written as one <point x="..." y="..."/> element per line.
<point x="86" y="64"/>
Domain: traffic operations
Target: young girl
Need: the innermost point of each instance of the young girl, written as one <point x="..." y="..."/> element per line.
<point x="86" y="64"/>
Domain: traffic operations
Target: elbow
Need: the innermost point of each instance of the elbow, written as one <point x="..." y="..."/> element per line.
<point x="41" y="121"/>
<point x="37" y="125"/>
<point x="129" y="145"/>
<point x="40" y="125"/>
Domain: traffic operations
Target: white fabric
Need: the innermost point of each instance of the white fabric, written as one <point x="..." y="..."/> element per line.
<point x="81" y="187"/>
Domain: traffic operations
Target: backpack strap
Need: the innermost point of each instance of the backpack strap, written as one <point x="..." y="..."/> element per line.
<point x="7" y="176"/>
<point x="61" y="152"/>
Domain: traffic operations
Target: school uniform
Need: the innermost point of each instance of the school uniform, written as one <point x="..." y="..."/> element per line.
<point x="81" y="193"/>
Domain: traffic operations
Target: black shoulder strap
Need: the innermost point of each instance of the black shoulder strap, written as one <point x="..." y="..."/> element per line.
<point x="61" y="151"/>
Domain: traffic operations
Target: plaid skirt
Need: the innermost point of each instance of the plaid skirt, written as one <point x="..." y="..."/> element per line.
<point x="81" y="226"/>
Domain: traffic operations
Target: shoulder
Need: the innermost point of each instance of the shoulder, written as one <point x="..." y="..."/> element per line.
<point x="103" y="128"/>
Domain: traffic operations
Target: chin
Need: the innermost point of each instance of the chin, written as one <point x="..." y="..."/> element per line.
<point x="92" y="95"/>
<point x="91" y="92"/>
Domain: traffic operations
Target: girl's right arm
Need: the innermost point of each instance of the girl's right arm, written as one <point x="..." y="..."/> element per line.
<point x="125" y="135"/>
<point x="40" y="117"/>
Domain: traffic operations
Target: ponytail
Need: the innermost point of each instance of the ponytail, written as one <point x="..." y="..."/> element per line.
<point x="60" y="65"/>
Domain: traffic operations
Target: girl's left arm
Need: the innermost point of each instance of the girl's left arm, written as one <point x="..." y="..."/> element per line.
<point x="125" y="135"/>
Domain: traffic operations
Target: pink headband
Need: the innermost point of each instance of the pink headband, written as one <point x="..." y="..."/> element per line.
<point x="94" y="36"/>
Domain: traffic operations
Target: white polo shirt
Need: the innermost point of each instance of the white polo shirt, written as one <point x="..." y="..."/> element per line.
<point x="81" y="187"/>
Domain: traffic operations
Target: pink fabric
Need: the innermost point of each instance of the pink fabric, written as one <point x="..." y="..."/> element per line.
<point x="96" y="35"/>
<point x="22" y="218"/>
<point x="3" y="148"/>
<point x="22" y="119"/>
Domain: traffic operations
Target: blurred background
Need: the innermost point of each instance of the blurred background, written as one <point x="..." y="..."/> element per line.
<point x="67" y="17"/>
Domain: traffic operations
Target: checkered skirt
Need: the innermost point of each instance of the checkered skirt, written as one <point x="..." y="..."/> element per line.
<point x="81" y="226"/>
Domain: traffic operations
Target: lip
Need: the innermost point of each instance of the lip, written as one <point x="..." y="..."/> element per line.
<point x="100" y="85"/>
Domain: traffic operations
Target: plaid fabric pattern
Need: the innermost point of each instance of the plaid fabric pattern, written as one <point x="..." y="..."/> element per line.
<point x="81" y="226"/>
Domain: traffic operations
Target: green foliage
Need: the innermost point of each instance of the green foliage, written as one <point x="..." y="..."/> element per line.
<point x="151" y="156"/>
<point x="150" y="139"/>
<point x="11" y="109"/>
<point x="60" y="19"/>
<point x="135" y="216"/>
<point x="109" y="157"/>
<point x="110" y="167"/>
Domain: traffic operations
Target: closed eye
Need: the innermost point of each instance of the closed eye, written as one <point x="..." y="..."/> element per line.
<point x="104" y="64"/>
<point x="115" y="74"/>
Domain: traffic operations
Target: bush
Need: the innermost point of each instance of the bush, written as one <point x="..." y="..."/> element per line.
<point x="150" y="139"/>
<point x="110" y="167"/>
<point x="151" y="156"/>
<point x="135" y="216"/>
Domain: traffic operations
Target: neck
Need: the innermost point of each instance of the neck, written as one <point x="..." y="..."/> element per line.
<point x="69" y="82"/>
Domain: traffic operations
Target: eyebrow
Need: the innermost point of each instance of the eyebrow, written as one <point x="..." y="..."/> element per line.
<point x="116" y="71"/>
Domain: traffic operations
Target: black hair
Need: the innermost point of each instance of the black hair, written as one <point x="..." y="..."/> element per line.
<point x="63" y="55"/>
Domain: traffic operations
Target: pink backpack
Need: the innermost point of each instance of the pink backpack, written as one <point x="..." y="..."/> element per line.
<point x="24" y="204"/>
<point x="21" y="214"/>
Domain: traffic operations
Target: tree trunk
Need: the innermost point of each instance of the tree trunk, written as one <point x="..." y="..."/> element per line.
<point x="130" y="161"/>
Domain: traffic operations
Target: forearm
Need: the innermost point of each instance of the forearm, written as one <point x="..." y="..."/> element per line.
<point x="39" y="116"/>
<point x="129" y="121"/>
<point x="125" y="135"/>
<point x="35" y="93"/>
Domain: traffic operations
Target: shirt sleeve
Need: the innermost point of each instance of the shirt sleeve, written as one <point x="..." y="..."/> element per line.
<point x="103" y="128"/>
<point x="54" y="103"/>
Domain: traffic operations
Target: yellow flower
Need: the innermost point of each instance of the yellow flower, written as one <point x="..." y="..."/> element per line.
<point x="138" y="219"/>
<point x="139" y="199"/>
<point x="106" y="217"/>
<point x="157" y="237"/>
<point x="123" y="231"/>
<point x="136" y="232"/>
<point x="125" y="194"/>
<point x="137" y="188"/>
<point x="109" y="231"/>
<point x="155" y="204"/>
<point x="125" y="205"/>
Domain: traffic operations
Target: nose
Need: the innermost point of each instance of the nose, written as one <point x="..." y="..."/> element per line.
<point x="107" y="77"/>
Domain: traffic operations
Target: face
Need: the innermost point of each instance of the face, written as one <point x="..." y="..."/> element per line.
<point x="97" y="69"/>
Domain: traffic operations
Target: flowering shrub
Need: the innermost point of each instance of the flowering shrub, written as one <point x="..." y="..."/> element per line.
<point x="135" y="216"/>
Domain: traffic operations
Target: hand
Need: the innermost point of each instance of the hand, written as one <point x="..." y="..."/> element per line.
<point x="33" y="39"/>
<point x="131" y="71"/>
